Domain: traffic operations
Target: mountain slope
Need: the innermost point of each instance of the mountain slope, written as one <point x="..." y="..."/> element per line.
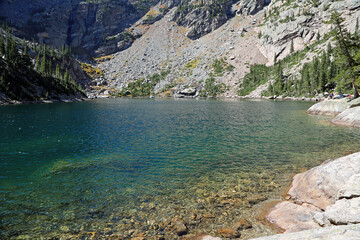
<point x="33" y="73"/>
<point x="223" y="55"/>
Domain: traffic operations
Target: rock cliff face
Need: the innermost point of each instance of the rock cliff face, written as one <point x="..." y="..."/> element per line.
<point x="202" y="18"/>
<point x="301" y="22"/>
<point x="193" y="34"/>
<point x="85" y="25"/>
<point x="192" y="41"/>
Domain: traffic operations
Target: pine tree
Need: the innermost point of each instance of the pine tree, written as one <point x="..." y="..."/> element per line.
<point x="8" y="46"/>
<point x="49" y="69"/>
<point x="318" y="36"/>
<point x="305" y="79"/>
<point x="66" y="76"/>
<point x="279" y="80"/>
<point x="2" y="46"/>
<point x="323" y="71"/>
<point x="292" y="46"/>
<point x="37" y="62"/>
<point x="315" y="75"/>
<point x="14" y="56"/>
<point x="329" y="49"/>
<point x="43" y="64"/>
<point x="57" y="71"/>
<point x="347" y="45"/>
<point x="25" y="57"/>
<point x="357" y="25"/>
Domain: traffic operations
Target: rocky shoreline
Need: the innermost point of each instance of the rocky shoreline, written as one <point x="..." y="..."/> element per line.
<point x="320" y="200"/>
<point x="15" y="102"/>
<point x="327" y="196"/>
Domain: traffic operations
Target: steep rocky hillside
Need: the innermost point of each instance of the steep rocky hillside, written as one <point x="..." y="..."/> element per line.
<point x="31" y="72"/>
<point x="192" y="51"/>
<point x="91" y="26"/>
<point x="180" y="47"/>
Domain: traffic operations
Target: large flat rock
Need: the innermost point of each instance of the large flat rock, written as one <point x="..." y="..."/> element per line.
<point x="349" y="117"/>
<point x="291" y="217"/>
<point x="329" y="107"/>
<point x="347" y="232"/>
<point x="320" y="185"/>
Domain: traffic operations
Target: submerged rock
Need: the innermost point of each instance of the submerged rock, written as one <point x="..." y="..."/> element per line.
<point x="291" y="217"/>
<point x="242" y="224"/>
<point x="178" y="226"/>
<point x="228" y="232"/>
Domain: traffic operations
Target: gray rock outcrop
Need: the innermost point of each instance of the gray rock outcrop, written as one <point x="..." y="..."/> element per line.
<point x="202" y="19"/>
<point x="320" y="185"/>
<point x="300" y="24"/>
<point x="344" y="211"/>
<point x="329" y="107"/>
<point x="250" y="7"/>
<point x="323" y="196"/>
<point x="349" y="117"/>
<point x="86" y="25"/>
<point x="351" y="189"/>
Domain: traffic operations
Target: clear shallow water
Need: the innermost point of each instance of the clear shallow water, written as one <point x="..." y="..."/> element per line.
<point x="88" y="166"/>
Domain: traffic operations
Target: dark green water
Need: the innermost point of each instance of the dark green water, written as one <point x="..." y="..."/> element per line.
<point x="77" y="167"/>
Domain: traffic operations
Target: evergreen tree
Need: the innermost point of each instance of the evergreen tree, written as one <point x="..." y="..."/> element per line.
<point x="357" y="25"/>
<point x="14" y="56"/>
<point x="323" y="71"/>
<point x="305" y="79"/>
<point x="292" y="46"/>
<point x="49" y="69"/>
<point x="315" y="75"/>
<point x="346" y="56"/>
<point x="8" y="46"/>
<point x="2" y="46"/>
<point x="37" y="62"/>
<point x="57" y="71"/>
<point x="43" y="64"/>
<point x="329" y="49"/>
<point x="66" y="76"/>
<point x="26" y="57"/>
<point x="279" y="80"/>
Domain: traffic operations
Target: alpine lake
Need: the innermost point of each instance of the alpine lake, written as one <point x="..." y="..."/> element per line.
<point x="126" y="168"/>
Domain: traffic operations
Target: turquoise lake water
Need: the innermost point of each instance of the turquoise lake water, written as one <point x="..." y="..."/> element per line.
<point x="70" y="168"/>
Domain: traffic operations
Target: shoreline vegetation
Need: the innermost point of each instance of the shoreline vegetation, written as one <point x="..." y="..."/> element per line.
<point x="15" y="102"/>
